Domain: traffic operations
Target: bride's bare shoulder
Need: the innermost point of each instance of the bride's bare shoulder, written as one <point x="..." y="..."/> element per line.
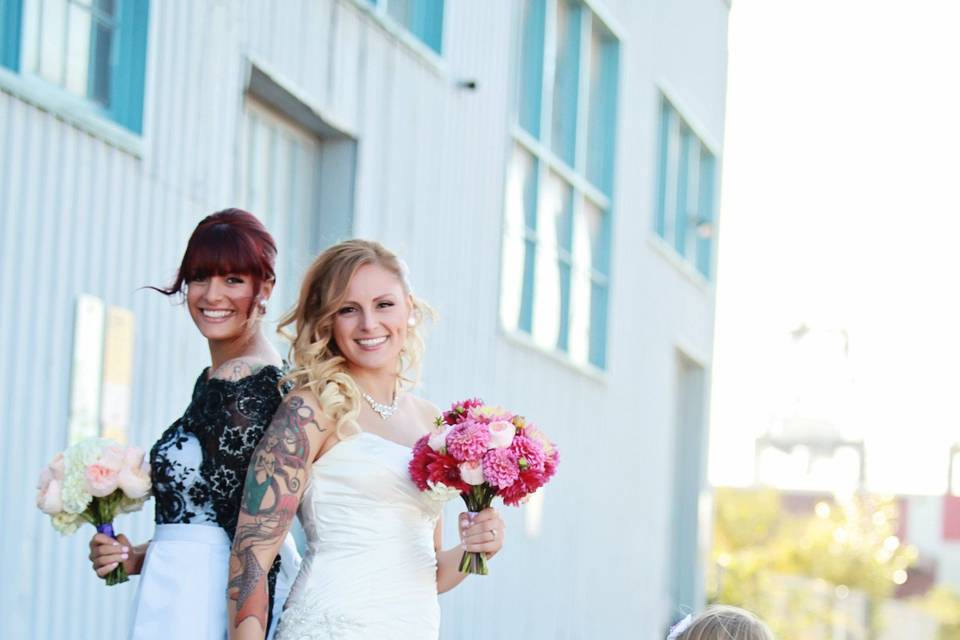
<point x="424" y="408"/>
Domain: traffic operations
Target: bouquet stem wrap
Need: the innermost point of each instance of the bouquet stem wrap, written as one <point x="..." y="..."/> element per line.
<point x="478" y="498"/>
<point x="100" y="513"/>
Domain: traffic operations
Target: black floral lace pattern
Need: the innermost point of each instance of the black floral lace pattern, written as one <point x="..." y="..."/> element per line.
<point x="199" y="464"/>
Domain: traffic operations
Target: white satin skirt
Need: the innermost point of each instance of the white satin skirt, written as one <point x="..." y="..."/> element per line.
<point x="183" y="584"/>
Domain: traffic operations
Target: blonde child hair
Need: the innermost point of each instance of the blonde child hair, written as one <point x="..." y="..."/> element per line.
<point x="721" y="622"/>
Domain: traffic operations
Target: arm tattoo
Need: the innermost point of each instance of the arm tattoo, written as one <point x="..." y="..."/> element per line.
<point x="271" y="494"/>
<point x="245" y="583"/>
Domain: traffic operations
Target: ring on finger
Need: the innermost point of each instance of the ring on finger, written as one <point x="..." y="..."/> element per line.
<point x="493" y="532"/>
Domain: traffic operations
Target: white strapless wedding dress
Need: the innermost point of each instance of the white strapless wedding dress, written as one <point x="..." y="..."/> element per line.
<point x="370" y="570"/>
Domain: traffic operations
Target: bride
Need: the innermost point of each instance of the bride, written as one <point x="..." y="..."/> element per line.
<point x="337" y="450"/>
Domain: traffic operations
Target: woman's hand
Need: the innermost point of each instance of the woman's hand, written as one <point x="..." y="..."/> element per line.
<point x="484" y="533"/>
<point x="106" y="553"/>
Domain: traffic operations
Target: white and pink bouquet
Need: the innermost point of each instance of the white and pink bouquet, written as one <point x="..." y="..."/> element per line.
<point x="92" y="481"/>
<point x="480" y="452"/>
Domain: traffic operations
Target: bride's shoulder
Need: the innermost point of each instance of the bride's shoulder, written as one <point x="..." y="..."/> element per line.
<point x="424" y="408"/>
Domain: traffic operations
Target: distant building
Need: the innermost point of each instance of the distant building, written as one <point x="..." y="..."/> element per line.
<point x="932" y="524"/>
<point x="811" y="444"/>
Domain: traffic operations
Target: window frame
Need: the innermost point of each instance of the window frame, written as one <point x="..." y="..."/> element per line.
<point x="120" y="123"/>
<point x="378" y="9"/>
<point x="666" y="190"/>
<point x="577" y="178"/>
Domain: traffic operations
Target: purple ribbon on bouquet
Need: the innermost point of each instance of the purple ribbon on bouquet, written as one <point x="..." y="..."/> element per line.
<point x="106" y="529"/>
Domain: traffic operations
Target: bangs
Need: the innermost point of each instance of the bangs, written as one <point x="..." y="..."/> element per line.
<point x="219" y="250"/>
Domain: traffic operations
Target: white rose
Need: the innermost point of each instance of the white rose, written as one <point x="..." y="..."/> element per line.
<point x="501" y="434"/>
<point x="471" y="472"/>
<point x="438" y="439"/>
<point x="441" y="492"/>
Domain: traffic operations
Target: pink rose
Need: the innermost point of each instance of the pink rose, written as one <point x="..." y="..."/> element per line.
<point x="100" y="481"/>
<point x="57" y="467"/>
<point x="112" y="457"/>
<point x="471" y="472"/>
<point x="48" y="497"/>
<point x="501" y="434"/>
<point x="133" y="457"/>
<point x="134" y="481"/>
<point x="45" y="477"/>
<point x="43" y="486"/>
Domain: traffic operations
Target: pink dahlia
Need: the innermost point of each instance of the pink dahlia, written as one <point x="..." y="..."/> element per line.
<point x="468" y="441"/>
<point x="529" y="452"/>
<point x="500" y="467"/>
<point x="459" y="410"/>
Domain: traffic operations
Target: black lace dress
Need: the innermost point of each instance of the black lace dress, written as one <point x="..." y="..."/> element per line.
<point x="199" y="464"/>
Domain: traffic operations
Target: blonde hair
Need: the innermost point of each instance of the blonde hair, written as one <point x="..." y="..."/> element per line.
<point x="316" y="362"/>
<point x="721" y="622"/>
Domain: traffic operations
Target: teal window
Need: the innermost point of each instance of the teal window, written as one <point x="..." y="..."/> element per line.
<point x="557" y="218"/>
<point x="686" y="191"/>
<point x="530" y="77"/>
<point x="422" y="18"/>
<point x="93" y="50"/>
<point x="10" y="33"/>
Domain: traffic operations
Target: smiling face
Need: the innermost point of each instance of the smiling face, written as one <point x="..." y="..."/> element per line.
<point x="370" y="326"/>
<point x="221" y="305"/>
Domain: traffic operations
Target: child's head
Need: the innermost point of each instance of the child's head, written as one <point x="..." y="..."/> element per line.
<point x="721" y="622"/>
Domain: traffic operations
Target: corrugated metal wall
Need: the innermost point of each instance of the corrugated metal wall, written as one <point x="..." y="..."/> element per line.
<point x="82" y="216"/>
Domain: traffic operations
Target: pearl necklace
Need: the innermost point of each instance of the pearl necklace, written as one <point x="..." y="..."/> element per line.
<point x="382" y="410"/>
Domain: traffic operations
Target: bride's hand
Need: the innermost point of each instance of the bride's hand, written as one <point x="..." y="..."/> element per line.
<point x="484" y="533"/>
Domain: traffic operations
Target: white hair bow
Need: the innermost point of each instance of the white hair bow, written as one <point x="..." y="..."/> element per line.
<point x="680" y="627"/>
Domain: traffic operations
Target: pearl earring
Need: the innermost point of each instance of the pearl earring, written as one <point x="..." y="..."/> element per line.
<point x="411" y="321"/>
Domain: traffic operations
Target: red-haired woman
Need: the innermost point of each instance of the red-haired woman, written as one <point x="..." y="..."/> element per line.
<point x="199" y="462"/>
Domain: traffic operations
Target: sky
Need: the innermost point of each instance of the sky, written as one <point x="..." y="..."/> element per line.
<point x="839" y="210"/>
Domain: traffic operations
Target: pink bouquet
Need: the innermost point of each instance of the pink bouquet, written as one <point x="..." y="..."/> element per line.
<point x="480" y="452"/>
<point x="92" y="481"/>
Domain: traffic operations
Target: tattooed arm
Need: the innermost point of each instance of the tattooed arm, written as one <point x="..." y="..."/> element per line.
<point x="276" y="479"/>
